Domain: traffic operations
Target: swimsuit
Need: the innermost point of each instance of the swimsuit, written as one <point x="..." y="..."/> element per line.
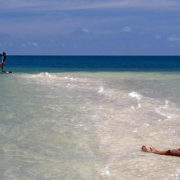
<point x="3" y="59"/>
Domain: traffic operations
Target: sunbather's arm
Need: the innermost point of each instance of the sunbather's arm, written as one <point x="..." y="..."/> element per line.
<point x="175" y="152"/>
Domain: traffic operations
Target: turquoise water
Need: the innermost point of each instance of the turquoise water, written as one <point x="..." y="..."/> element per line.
<point x="45" y="131"/>
<point x="87" y="124"/>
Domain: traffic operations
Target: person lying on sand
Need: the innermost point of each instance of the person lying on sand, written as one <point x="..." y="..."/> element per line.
<point x="174" y="152"/>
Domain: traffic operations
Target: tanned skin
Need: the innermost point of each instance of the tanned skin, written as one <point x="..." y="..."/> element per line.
<point x="174" y="152"/>
<point x="2" y="65"/>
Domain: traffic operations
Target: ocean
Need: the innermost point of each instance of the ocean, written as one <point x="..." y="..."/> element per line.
<point x="86" y="117"/>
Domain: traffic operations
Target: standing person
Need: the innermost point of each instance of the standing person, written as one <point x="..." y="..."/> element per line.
<point x="3" y="61"/>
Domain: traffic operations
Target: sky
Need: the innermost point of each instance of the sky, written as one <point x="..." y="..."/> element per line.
<point x="90" y="27"/>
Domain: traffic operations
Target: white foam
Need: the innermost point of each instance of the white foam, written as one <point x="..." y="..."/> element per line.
<point x="134" y="108"/>
<point x="146" y="124"/>
<point x="69" y="85"/>
<point x="163" y="110"/>
<point x="56" y="80"/>
<point x="70" y="78"/>
<point x="51" y="76"/>
<point x="135" y="130"/>
<point x="44" y="76"/>
<point x="107" y="93"/>
<point x="139" y="106"/>
<point x="134" y="94"/>
<point x="106" y="171"/>
<point x="101" y="89"/>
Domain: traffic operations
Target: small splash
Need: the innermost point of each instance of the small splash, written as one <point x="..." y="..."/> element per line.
<point x="106" y="171"/>
<point x="146" y="124"/>
<point x="107" y="93"/>
<point x="137" y="107"/>
<point x="134" y="94"/>
<point x="101" y="89"/>
<point x="135" y="130"/>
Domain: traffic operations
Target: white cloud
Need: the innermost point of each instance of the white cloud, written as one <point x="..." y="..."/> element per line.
<point x="173" y="38"/>
<point x="126" y="29"/>
<point x="86" y="4"/>
<point x="29" y="44"/>
<point x="82" y="31"/>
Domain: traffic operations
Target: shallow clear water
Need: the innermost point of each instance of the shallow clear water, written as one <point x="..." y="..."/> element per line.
<point x="85" y="125"/>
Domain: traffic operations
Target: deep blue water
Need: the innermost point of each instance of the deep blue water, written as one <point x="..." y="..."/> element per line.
<point x="93" y="63"/>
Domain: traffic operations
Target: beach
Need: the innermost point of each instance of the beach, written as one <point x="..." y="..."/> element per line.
<point x="89" y="124"/>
